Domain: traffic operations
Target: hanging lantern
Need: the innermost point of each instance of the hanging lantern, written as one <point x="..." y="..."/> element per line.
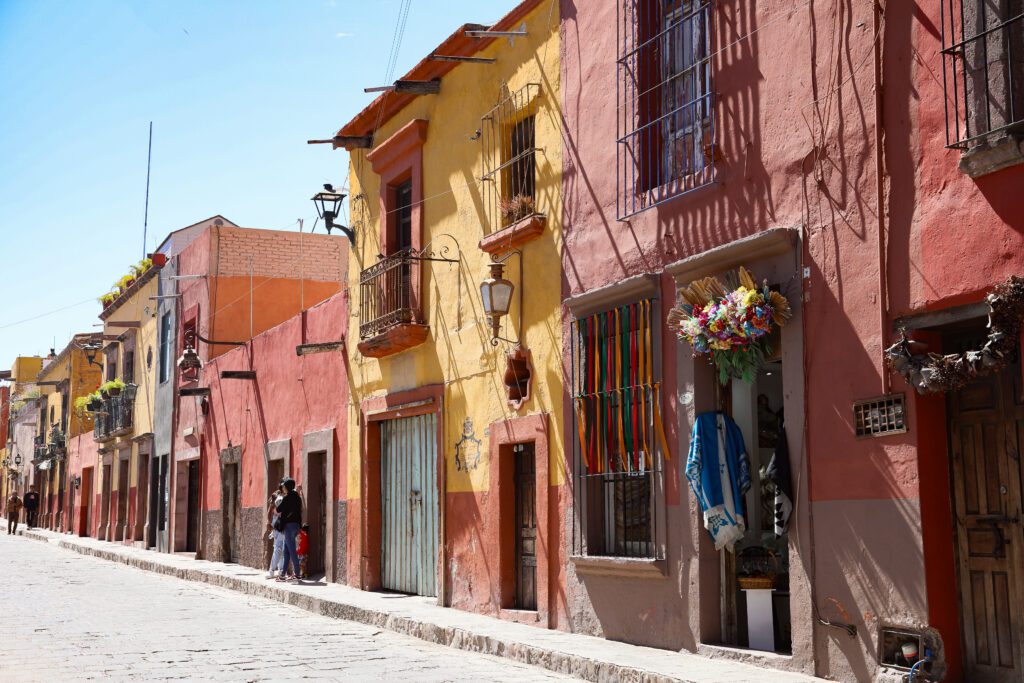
<point x="189" y="360"/>
<point x="496" y="294"/>
<point x="130" y="390"/>
<point x="328" y="207"/>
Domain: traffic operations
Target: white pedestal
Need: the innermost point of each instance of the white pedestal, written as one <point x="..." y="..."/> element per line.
<point x="760" y="626"/>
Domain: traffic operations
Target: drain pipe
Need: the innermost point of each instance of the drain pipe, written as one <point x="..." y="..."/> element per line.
<point x="883" y="284"/>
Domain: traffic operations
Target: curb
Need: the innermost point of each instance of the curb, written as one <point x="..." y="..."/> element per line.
<point x="560" y="662"/>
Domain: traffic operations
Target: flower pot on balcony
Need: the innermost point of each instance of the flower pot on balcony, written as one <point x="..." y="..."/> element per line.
<point x="159" y="260"/>
<point x="94" y="405"/>
<point x="104" y="394"/>
<point x="114" y="391"/>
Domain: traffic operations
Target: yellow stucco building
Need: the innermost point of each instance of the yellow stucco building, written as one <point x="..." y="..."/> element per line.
<point x="455" y="425"/>
<point x="124" y="425"/>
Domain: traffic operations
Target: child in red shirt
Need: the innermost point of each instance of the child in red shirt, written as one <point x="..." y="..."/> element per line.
<point x="302" y="550"/>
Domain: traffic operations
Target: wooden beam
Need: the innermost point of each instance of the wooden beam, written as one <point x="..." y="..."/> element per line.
<point x="346" y="141"/>
<point x="308" y="349"/>
<point x="123" y="323"/>
<point x="948" y="316"/>
<point x="419" y="87"/>
<point x="460" y="58"/>
<point x="238" y="374"/>
<point x="194" y="391"/>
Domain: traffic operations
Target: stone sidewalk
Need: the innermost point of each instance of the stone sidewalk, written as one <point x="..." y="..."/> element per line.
<point x="585" y="657"/>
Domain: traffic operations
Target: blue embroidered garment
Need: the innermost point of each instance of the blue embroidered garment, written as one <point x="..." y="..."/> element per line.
<point x="719" y="474"/>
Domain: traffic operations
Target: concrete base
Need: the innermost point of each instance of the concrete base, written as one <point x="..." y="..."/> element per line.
<point x="585" y="657"/>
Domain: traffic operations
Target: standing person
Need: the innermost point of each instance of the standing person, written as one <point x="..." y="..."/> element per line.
<point x="13" y="512"/>
<point x="276" y="535"/>
<point x="31" y="507"/>
<point x="290" y="510"/>
<point x="302" y="548"/>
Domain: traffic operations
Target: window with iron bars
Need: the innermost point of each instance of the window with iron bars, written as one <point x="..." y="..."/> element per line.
<point x="666" y="112"/>
<point x="618" y="440"/>
<point x="509" y="156"/>
<point x="982" y="69"/>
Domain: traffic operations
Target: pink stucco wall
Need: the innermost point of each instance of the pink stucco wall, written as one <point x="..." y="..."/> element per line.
<point x="796" y="129"/>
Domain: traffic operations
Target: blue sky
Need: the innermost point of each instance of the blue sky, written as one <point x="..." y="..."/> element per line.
<point x="234" y="90"/>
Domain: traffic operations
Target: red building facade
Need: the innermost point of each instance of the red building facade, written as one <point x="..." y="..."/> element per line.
<point x="807" y="143"/>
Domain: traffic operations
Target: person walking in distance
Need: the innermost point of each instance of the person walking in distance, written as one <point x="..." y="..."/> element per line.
<point x="31" y="503"/>
<point x="276" y="533"/>
<point x="290" y="511"/>
<point x="13" y="512"/>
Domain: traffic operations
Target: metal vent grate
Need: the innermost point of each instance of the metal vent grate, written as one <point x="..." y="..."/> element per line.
<point x="880" y="416"/>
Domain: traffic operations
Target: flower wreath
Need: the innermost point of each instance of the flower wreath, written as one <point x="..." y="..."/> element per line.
<point x="730" y="325"/>
<point x="932" y="373"/>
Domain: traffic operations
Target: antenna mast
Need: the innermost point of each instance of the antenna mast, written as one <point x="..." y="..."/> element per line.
<point x="145" y="218"/>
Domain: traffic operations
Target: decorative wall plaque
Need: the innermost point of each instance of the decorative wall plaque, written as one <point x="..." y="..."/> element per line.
<point x="467" y="449"/>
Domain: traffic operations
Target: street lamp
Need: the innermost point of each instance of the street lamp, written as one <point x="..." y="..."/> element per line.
<point x="17" y="459"/>
<point x="91" y="349"/>
<point x="328" y="206"/>
<point x="189" y="360"/>
<point x="496" y="293"/>
<point x="130" y="390"/>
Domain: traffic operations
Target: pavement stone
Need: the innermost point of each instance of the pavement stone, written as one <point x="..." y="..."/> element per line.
<point x="586" y="657"/>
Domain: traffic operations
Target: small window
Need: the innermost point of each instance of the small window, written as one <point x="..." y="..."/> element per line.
<point x="165" y="347"/>
<point x="403" y="217"/>
<point x="666" y="105"/>
<point x="618" y="434"/>
<point x="509" y="142"/>
<point x="128" y="374"/>
<point x="983" y="73"/>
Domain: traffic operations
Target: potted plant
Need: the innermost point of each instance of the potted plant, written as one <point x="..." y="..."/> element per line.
<point x="124" y="283"/>
<point x="516" y="208"/>
<point x="107" y="299"/>
<point x="112" y="388"/>
<point x="94" y="401"/>
<point x="159" y="260"/>
<point x="81" y="405"/>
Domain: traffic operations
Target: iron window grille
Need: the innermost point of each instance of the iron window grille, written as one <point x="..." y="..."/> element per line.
<point x="618" y="438"/>
<point x="666" y="108"/>
<point x="880" y="416"/>
<point x="508" y="137"/>
<point x="982" y="69"/>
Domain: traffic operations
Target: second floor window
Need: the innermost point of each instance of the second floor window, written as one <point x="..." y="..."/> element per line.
<point x="509" y="145"/>
<point x="165" y="347"/>
<point x="983" y="69"/>
<point x="666" y="106"/>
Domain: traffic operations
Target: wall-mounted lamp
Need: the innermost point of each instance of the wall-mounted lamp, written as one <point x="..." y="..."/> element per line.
<point x="189" y="364"/>
<point x="496" y="294"/>
<point x="130" y="390"/>
<point x="328" y="206"/>
<point x="91" y="349"/>
<point x="17" y="459"/>
<point x="76" y="481"/>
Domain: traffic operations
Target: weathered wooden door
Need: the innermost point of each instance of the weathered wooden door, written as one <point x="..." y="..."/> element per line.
<point x="526" y="527"/>
<point x="192" y="512"/>
<point x="410" y="508"/>
<point x="316" y="512"/>
<point x="986" y="439"/>
<point x="232" y="512"/>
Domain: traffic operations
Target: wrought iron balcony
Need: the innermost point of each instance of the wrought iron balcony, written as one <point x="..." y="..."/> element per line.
<point x="113" y="419"/>
<point x="386" y="293"/>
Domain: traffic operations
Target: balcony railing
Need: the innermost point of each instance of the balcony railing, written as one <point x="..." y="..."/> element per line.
<point x="982" y="70"/>
<point x="386" y="293"/>
<point x="114" y="418"/>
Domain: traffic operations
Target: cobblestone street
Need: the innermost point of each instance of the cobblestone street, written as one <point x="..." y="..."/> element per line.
<point x="69" y="617"/>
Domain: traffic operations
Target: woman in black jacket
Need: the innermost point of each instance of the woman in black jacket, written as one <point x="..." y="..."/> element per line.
<point x="290" y="513"/>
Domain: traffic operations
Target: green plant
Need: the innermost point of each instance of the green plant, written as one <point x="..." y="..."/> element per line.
<point x="144" y="265"/>
<point x="112" y="384"/>
<point x="108" y="298"/>
<point x="124" y="282"/>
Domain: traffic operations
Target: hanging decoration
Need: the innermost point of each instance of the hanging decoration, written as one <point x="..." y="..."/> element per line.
<point x="731" y="325"/>
<point x="616" y="398"/>
<point x="933" y="373"/>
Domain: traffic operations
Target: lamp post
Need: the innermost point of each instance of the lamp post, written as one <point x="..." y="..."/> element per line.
<point x="328" y="207"/>
<point x="496" y="295"/>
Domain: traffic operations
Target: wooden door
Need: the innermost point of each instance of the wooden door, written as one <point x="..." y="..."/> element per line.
<point x="121" y="524"/>
<point x="103" y="534"/>
<point x="316" y="512"/>
<point x="410" y="515"/>
<point x="232" y="513"/>
<point x="87" y="495"/>
<point x="192" y="513"/>
<point x="526" y="527"/>
<point x="986" y="439"/>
